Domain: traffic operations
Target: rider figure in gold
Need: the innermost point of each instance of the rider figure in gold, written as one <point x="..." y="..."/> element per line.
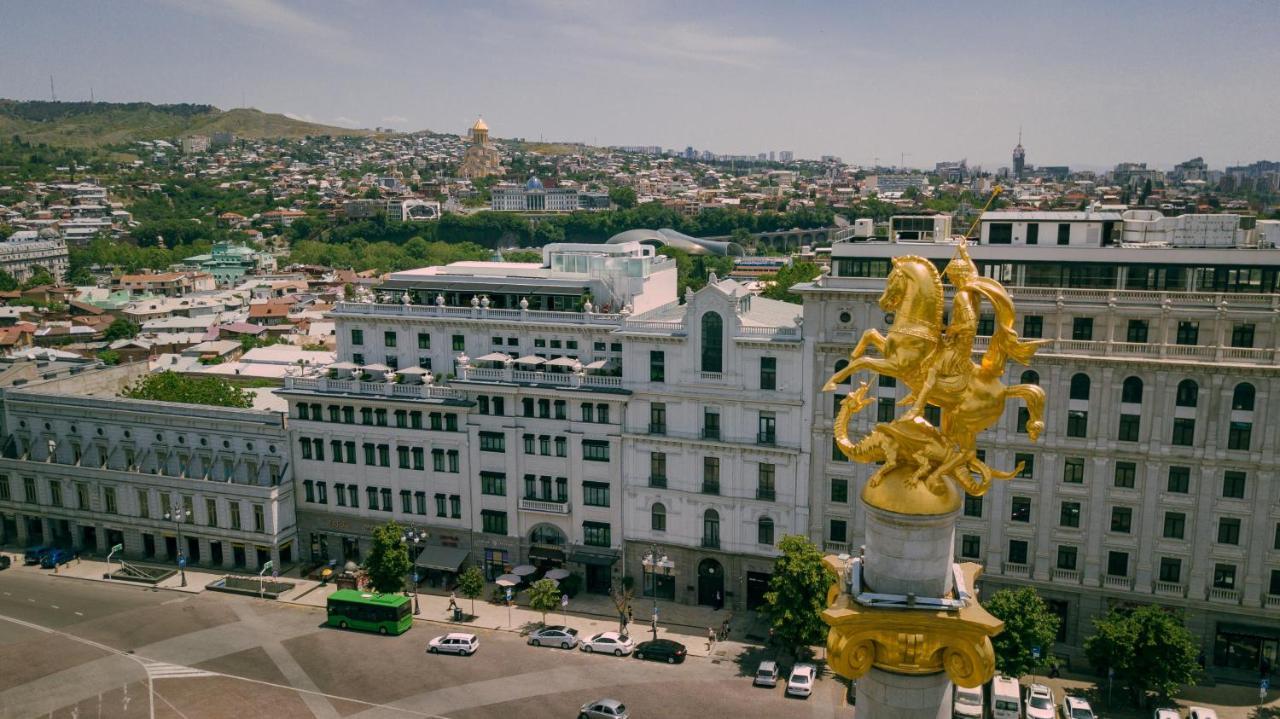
<point x="951" y="362"/>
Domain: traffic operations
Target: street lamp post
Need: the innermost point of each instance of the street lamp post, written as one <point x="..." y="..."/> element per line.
<point x="654" y="561"/>
<point x="178" y="515"/>
<point x="413" y="538"/>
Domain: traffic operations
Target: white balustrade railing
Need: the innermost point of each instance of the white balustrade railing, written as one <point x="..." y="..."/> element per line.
<point x="383" y="389"/>
<point x="1114" y="582"/>
<point x="541" y="505"/>
<point x="389" y="309"/>
<point x="559" y="379"/>
<point x="1070" y="576"/>
<point x="1226" y="596"/>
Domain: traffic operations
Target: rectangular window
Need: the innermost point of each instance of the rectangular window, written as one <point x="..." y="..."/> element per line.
<point x="357" y="337"/>
<point x="1000" y="233"/>
<point x="602" y="413"/>
<point x="562" y="409"/>
<point x="420" y="502"/>
<point x="1242" y="335"/>
<point x="1077" y="423"/>
<point x="424" y="341"/>
<point x="595" y="494"/>
<point x="658" y="469"/>
<point x="418" y="458"/>
<point x="82" y="497"/>
<point x="1017" y="551"/>
<point x="1229" y="531"/>
<point x="1233" y="484"/>
<point x="765" y="489"/>
<point x="970" y="546"/>
<point x="838" y="530"/>
<point x="768" y="373"/>
<point x="562" y="447"/>
<point x="322" y="493"/>
<point x="389" y="338"/>
<point x="259" y="519"/>
<point x="353" y="496"/>
<point x="1073" y="470"/>
<point x="370" y="454"/>
<point x="452" y="456"/>
<point x="1126" y="474"/>
<point x="1224" y="576"/>
<point x="764" y="532"/>
<point x="1170" y="570"/>
<point x="596" y="534"/>
<point x="366" y="415"/>
<point x="55" y="494"/>
<point x="1274" y="588"/>
<point x="1118" y="564"/>
<point x="402" y="457"/>
<point x="1121" y="519"/>
<point x="371" y="494"/>
<point x="406" y="502"/>
<point x="1175" y="525"/>
<point x="836" y="454"/>
<point x="340" y="494"/>
<point x="493" y="442"/>
<point x="657" y="366"/>
<point x="348" y="415"/>
<point x="1239" y="435"/>
<point x="588" y="412"/>
<point x="710" y="423"/>
<point x="1188" y="332"/>
<point x="357" y="358"/>
<point x="144" y="498"/>
<point x="1184" y="431"/>
<point x="1067" y="557"/>
<point x="972" y="506"/>
<point x="437" y="460"/>
<point x="350" y="450"/>
<point x="839" y="490"/>
<point x="1137" y="331"/>
<point x="451" y="422"/>
<point x="482" y="404"/>
<point x="986" y="324"/>
<point x="1033" y="233"/>
<point x="1129" y="424"/>
<point x="1021" y="509"/>
<point x="109" y="502"/>
<point x="441" y="508"/>
<point x="233" y="515"/>
<point x="1033" y="326"/>
<point x="885" y="408"/>
<point x="1070" y="516"/>
<point x="1082" y="328"/>
<point x="1064" y="233"/>
<point x="767" y="428"/>
<point x="459" y="343"/>
<point x="493" y="483"/>
<point x="335" y="413"/>
<point x="711" y="475"/>
<point x="308" y="490"/>
<point x="1028" y="462"/>
<point x="595" y="450"/>
<point x="1180" y="479"/>
<point x="491" y="521"/>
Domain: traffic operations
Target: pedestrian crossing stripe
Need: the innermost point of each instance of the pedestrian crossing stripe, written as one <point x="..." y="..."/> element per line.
<point x="160" y="670"/>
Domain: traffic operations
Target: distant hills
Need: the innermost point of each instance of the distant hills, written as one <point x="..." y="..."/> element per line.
<point x="92" y="124"/>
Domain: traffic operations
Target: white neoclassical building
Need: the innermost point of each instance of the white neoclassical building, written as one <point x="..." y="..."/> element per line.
<point x="1155" y="480"/>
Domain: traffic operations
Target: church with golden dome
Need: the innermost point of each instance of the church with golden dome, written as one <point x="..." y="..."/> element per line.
<point x="482" y="158"/>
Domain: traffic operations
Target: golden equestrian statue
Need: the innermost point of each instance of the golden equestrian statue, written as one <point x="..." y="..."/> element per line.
<point x="926" y="470"/>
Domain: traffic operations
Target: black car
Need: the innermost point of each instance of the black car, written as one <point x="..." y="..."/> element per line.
<point x="661" y="650"/>
<point x="4" y="561"/>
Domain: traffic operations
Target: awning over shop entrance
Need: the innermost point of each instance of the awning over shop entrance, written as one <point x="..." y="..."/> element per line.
<point x="601" y="558"/>
<point x="546" y="554"/>
<point x="446" y="559"/>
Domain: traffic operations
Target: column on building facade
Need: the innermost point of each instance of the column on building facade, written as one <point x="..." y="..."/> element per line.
<point x="1044" y="518"/>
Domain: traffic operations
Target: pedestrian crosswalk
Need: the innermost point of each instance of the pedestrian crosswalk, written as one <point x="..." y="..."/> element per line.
<point x="161" y="670"/>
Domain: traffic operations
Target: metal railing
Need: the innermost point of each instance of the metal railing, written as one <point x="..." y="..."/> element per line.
<point x="658" y="481"/>
<point x="657" y="428"/>
<point x="767" y="438"/>
<point x="710" y="542"/>
<point x="480" y="313"/>
<point x="709" y="487"/>
<point x="382" y="389"/>
<point x="543" y="505"/>
<point x="767" y="494"/>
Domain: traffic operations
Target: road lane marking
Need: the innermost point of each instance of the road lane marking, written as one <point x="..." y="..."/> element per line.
<point x="162" y="670"/>
<point x="79" y="614"/>
<point x="53" y="606"/>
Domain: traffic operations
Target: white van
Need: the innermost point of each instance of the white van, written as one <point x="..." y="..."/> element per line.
<point x="967" y="703"/>
<point x="1006" y="698"/>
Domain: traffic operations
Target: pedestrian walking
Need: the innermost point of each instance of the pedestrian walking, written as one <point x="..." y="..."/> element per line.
<point x="724" y="629"/>
<point x="631" y="617"/>
<point x="453" y="601"/>
<point x="711" y="638"/>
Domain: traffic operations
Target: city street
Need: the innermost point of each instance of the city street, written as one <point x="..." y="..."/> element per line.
<point x="78" y="648"/>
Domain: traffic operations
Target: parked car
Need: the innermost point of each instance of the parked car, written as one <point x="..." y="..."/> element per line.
<point x="555" y="636"/>
<point x="1167" y="714"/>
<point x="34" y="555"/>
<point x="800" y="683"/>
<point x="661" y="650"/>
<point x="1076" y="708"/>
<point x="967" y="703"/>
<point x="4" y="561"/>
<point x="55" y="557"/>
<point x="766" y="674"/>
<point x="1202" y="713"/>
<point x="603" y="709"/>
<point x="1006" y="702"/>
<point x="1039" y="703"/>
<point x="609" y="643"/>
<point x="455" y="643"/>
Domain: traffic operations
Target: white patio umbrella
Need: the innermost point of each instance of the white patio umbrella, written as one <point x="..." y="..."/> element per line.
<point x="524" y="570"/>
<point x="507" y="580"/>
<point x="557" y="574"/>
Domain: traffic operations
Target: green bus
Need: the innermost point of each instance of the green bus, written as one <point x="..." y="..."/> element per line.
<point x="381" y="613"/>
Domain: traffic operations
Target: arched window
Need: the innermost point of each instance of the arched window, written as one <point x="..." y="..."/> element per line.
<point x="711" y="529"/>
<point x="658" y="517"/>
<point x="1242" y="398"/>
<point x="1188" y="393"/>
<point x="764" y="531"/>
<point x="712" y="343"/>
<point x="841" y="364"/>
<point x="1030" y="377"/>
<point x="1080" y="386"/>
<point x="1132" y="391"/>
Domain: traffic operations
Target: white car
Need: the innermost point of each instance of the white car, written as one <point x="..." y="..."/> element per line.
<point x="609" y="643"/>
<point x="1039" y="703"/>
<point x="1167" y="714"/>
<point x="967" y="703"/>
<point x="1202" y="713"/>
<point x="555" y="636"/>
<point x="456" y="643"/>
<point x="603" y="709"/>
<point x="800" y="683"/>
<point x="1076" y="708"/>
<point x="766" y="674"/>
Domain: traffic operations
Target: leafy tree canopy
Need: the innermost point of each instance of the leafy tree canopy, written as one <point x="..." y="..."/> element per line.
<point x="471" y="585"/>
<point x="544" y="596"/>
<point x="120" y="329"/>
<point x="780" y="283"/>
<point x="388" y="561"/>
<point x="1149" y="649"/>
<point x="1028" y="623"/>
<point x="798" y="594"/>
<point x="174" y="387"/>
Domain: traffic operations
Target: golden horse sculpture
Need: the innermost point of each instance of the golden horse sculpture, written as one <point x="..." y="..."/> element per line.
<point x="937" y="366"/>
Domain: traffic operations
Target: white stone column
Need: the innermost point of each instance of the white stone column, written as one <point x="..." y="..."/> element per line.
<point x="884" y="695"/>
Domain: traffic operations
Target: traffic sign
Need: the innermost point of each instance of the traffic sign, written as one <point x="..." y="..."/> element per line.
<point x="1264" y="685"/>
<point x="1035" y="652"/>
<point x="564" y="600"/>
<point x="118" y="548"/>
<point x="182" y="561"/>
<point x="508" y="594"/>
<point x="268" y="565"/>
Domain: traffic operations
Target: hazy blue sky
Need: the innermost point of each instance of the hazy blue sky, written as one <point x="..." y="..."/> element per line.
<point x="1091" y="83"/>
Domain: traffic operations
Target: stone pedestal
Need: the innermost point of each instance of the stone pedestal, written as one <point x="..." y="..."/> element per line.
<point x="882" y="695"/>
<point x="909" y="554"/>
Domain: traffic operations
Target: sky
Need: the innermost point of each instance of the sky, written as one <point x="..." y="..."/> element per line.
<point x="1089" y="83"/>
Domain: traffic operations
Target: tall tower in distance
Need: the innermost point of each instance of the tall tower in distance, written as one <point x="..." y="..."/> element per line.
<point x="1019" y="157"/>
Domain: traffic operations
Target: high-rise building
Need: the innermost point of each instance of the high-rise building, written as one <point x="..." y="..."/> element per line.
<point x="1019" y="158"/>
<point x="786" y="156"/>
<point x="1153" y="481"/>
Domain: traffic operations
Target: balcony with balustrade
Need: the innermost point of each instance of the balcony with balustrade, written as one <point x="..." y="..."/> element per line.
<point x="545" y="506"/>
<point x="1111" y="581"/>
<point x="393" y="390"/>
<point x="1015" y="569"/>
<point x="835" y="547"/>
<point x="1169" y="589"/>
<point x="1223" y="595"/>
<point x="1065" y="576"/>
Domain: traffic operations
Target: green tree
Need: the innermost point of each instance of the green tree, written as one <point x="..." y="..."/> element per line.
<point x="109" y="357"/>
<point x="623" y="197"/>
<point x="121" y="329"/>
<point x="471" y="585"/>
<point x="39" y="276"/>
<point x="544" y="596"/>
<point x="522" y="256"/>
<point x="7" y="282"/>
<point x="81" y="277"/>
<point x="798" y="594"/>
<point x="1027" y="623"/>
<point x="174" y="387"/>
<point x="1149" y="649"/>
<point x="779" y="284"/>
<point x="388" y="561"/>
